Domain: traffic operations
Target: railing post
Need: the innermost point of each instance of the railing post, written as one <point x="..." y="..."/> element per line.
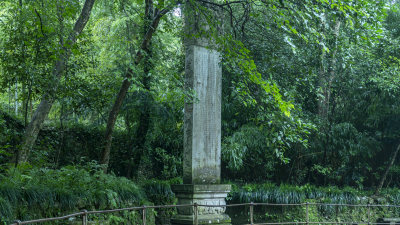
<point x="369" y="213"/>
<point x="251" y="213"/>
<point x="196" y="212"/>
<point x="307" y="215"/>
<point x="144" y="215"/>
<point x="84" y="217"/>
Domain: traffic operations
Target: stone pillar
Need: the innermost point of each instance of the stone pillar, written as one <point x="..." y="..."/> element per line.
<point x="202" y="128"/>
<point x="202" y="119"/>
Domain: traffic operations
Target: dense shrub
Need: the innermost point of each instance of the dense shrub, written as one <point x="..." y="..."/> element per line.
<point x="28" y="193"/>
<point x="74" y="143"/>
<point x="288" y="194"/>
<point x="159" y="192"/>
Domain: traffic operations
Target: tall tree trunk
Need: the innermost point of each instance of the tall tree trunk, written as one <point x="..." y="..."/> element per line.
<point x="321" y="76"/>
<point x="327" y="76"/>
<point x="144" y="117"/>
<point x="16" y="79"/>
<point x="383" y="178"/>
<point x="112" y="117"/>
<point x="332" y="67"/>
<point x="321" y="103"/>
<point x="48" y="98"/>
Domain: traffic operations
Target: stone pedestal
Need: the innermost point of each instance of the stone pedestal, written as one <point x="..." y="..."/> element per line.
<point x="202" y="194"/>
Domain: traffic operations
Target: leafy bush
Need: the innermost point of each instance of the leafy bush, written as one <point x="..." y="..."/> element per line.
<point x="288" y="194"/>
<point x="160" y="193"/>
<point x="76" y="143"/>
<point x="393" y="195"/>
<point x="10" y="130"/>
<point x="39" y="192"/>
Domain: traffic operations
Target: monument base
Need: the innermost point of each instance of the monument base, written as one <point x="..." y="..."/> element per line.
<point x="202" y="194"/>
<point x="202" y="219"/>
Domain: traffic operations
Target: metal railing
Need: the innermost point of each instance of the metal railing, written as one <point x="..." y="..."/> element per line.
<point x="84" y="213"/>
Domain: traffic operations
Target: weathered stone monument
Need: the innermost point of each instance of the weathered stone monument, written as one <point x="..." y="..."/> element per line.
<point x="202" y="129"/>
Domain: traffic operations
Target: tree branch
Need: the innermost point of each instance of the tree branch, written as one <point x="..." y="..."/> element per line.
<point x="221" y="5"/>
<point x="149" y="34"/>
<point x="82" y="20"/>
<point x="40" y="20"/>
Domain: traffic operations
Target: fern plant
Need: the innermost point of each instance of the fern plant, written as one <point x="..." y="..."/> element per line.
<point x="37" y="193"/>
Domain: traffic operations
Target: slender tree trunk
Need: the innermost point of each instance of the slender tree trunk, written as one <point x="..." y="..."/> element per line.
<point x="141" y="132"/>
<point x="26" y="103"/>
<point x="321" y="101"/>
<point x="9" y="98"/>
<point x="24" y="96"/>
<point x="62" y="144"/>
<point x="48" y="98"/>
<point x="30" y="108"/>
<point x="321" y="79"/>
<point x="332" y="67"/>
<point x="112" y="117"/>
<point x="383" y="178"/>
<point x="326" y="78"/>
<point x="16" y="98"/>
<point x="144" y="117"/>
<point x="23" y="58"/>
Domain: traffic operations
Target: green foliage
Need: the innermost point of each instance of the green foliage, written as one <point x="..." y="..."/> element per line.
<point x="77" y="144"/>
<point x="283" y="61"/>
<point x="393" y="195"/>
<point x="288" y="194"/>
<point x="10" y="129"/>
<point x="348" y="150"/>
<point x="260" y="149"/>
<point x="237" y="56"/>
<point x="297" y="48"/>
<point x="159" y="192"/>
<point x="38" y="192"/>
<point x="31" y="35"/>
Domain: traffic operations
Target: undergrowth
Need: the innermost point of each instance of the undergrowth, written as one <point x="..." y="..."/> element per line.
<point x="289" y="194"/>
<point x="159" y="192"/>
<point x="31" y="193"/>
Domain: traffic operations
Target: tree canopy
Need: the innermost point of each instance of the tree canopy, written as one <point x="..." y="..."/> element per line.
<point x="310" y="88"/>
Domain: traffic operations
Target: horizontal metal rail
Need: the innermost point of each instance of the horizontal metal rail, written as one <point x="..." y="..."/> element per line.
<point x="332" y="222"/>
<point x="143" y="208"/>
